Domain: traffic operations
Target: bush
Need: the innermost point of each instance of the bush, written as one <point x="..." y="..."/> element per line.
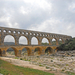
<point x="47" y="67"/>
<point x="51" y="60"/>
<point x="68" y="45"/>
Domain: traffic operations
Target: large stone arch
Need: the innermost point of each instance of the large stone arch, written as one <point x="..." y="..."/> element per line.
<point x="55" y="40"/>
<point x="47" y="40"/>
<point x="9" y="35"/>
<point x="49" y="50"/>
<point x="15" y="50"/>
<point x="28" y="50"/>
<point x="38" y="50"/>
<point x="25" y="37"/>
<point x="62" y="41"/>
<point x="35" y="38"/>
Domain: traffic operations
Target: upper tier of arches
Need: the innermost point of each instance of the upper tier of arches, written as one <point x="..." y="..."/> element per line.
<point x="29" y="36"/>
<point x="24" y="40"/>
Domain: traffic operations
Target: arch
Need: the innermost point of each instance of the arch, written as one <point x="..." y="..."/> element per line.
<point x="49" y="50"/>
<point x="37" y="51"/>
<point x="45" y="41"/>
<point x="34" y="41"/>
<point x="27" y="49"/>
<point x="12" y="49"/>
<point x="24" y="52"/>
<point x="60" y="41"/>
<point x="10" y="52"/>
<point x="54" y="41"/>
<point x="9" y="39"/>
<point x="23" y="40"/>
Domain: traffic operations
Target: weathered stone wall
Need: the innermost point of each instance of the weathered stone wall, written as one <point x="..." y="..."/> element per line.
<point x="17" y="33"/>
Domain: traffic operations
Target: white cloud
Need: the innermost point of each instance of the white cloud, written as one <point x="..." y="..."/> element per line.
<point x="46" y="26"/>
<point x="72" y="7"/>
<point x="39" y="3"/>
<point x="53" y="16"/>
<point x="23" y="10"/>
<point x="8" y="23"/>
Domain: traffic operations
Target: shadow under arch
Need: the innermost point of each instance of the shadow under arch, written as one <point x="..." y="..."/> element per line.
<point x="33" y="38"/>
<point x="37" y="51"/>
<point x="12" y="48"/>
<point x="28" y="50"/>
<point x="10" y="36"/>
<point x="24" y="38"/>
<point x="49" y="50"/>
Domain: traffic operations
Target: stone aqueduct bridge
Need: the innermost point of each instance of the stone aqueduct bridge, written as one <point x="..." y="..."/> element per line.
<point x="17" y="33"/>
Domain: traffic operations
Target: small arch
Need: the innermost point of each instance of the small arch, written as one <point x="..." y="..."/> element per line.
<point x="9" y="31"/>
<point x="9" y="40"/>
<point x="26" y="51"/>
<point x="26" y="33"/>
<point x="34" y="41"/>
<point x="22" y="32"/>
<point x="37" y="51"/>
<point x="43" y="34"/>
<point x="45" y="41"/>
<point x="30" y="33"/>
<point x="23" y="40"/>
<point x="37" y="34"/>
<point x="49" y="50"/>
<point x="40" y="34"/>
<point x="34" y="34"/>
<point x="4" y="31"/>
<point x="19" y="32"/>
<point x="48" y="35"/>
<point x="14" y="32"/>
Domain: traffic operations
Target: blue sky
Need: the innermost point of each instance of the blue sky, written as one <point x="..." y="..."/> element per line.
<point x="53" y="16"/>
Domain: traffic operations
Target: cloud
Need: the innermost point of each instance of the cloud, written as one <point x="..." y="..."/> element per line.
<point x="53" y="16"/>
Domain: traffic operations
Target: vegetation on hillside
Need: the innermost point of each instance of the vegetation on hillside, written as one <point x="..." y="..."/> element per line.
<point x="53" y="43"/>
<point x="68" y="45"/>
<point x="45" y="43"/>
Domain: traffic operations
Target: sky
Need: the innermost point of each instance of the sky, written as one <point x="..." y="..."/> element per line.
<point x="53" y="16"/>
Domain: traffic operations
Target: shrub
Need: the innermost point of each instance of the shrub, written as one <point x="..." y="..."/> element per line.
<point x="51" y="60"/>
<point x="47" y="67"/>
<point x="21" y="59"/>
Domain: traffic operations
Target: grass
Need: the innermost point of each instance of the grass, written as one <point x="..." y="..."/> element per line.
<point x="40" y="65"/>
<point x="16" y="58"/>
<point x="47" y="67"/>
<point x="9" y="69"/>
<point x="70" y="73"/>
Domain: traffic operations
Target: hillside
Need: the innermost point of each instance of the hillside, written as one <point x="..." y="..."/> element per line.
<point x="68" y="45"/>
<point x="9" y="69"/>
<point x="9" y="43"/>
